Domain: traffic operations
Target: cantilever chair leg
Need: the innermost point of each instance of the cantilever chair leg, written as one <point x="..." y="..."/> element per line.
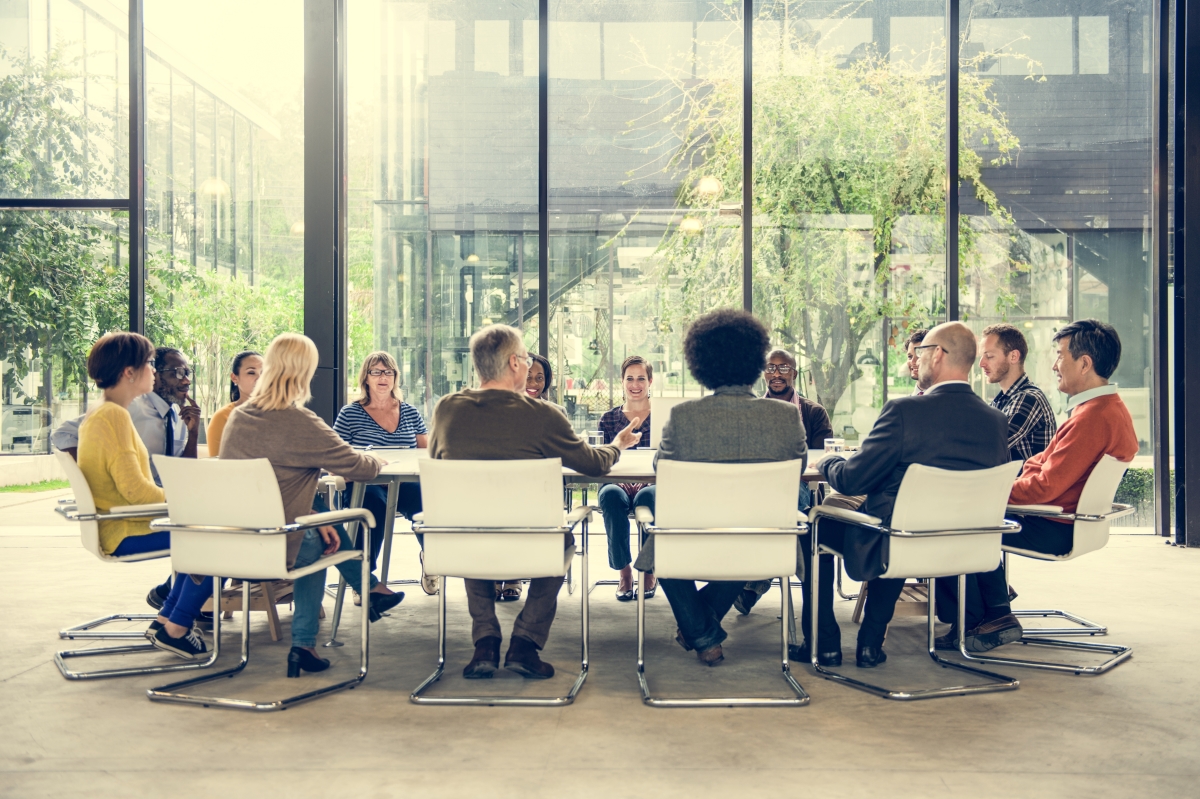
<point x="1002" y="683"/>
<point x="801" y="697"/>
<point x="88" y="630"/>
<point x="171" y="693"/>
<point x="60" y="658"/>
<point x="1081" y="626"/>
<point x="510" y="701"/>
<point x="838" y="565"/>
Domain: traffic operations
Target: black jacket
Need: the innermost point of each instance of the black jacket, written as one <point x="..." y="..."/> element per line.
<point x="947" y="427"/>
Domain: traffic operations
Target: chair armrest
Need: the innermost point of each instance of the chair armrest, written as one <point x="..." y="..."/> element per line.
<point x="643" y="515"/>
<point x="579" y="514"/>
<point x="418" y="518"/>
<point x="842" y="514"/>
<point x="1036" y="510"/>
<point x="149" y="510"/>
<point x="801" y="517"/>
<point x="335" y="481"/>
<point x="336" y="517"/>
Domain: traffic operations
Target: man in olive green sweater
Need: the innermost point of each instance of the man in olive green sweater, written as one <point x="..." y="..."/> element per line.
<point x="498" y="421"/>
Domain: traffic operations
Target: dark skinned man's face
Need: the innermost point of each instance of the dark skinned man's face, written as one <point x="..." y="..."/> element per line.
<point x="167" y="385"/>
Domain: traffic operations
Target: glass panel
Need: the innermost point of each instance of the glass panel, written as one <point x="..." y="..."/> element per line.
<point x="224" y="180"/>
<point x="849" y="221"/>
<point x="645" y="189"/>
<point x="443" y="183"/>
<point x="53" y="314"/>
<point x="1057" y="227"/>
<point x="63" y="72"/>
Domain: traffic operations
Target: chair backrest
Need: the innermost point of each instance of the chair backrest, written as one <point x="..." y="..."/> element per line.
<point x="89" y="532"/>
<point x="660" y="411"/>
<point x="216" y="492"/>
<point x="1097" y="498"/>
<point x="946" y="499"/>
<point x="516" y="493"/>
<point x="1101" y="487"/>
<point x="943" y="499"/>
<point x="491" y="494"/>
<point x="706" y="495"/>
<point x="715" y="495"/>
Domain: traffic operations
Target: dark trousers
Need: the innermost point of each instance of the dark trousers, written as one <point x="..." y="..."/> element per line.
<point x="987" y="592"/>
<point x="533" y="623"/>
<point x="698" y="612"/>
<point x="830" y="634"/>
<point x="881" y="594"/>
<point x="408" y="503"/>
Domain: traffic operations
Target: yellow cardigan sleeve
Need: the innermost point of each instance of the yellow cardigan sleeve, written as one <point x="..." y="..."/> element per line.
<point x="129" y="464"/>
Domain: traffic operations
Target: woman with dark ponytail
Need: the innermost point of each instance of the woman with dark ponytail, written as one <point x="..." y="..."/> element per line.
<point x="247" y="366"/>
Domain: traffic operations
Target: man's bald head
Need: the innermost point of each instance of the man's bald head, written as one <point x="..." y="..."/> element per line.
<point x="947" y="353"/>
<point x="957" y="342"/>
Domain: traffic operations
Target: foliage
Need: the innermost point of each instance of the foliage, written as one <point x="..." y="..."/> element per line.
<point x="30" y="488"/>
<point x="849" y="192"/>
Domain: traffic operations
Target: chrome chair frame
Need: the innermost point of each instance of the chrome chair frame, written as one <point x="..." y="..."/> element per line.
<point x="1002" y="682"/>
<point x="576" y="517"/>
<point x="1119" y="654"/>
<point x="645" y="521"/>
<point x="87" y="631"/>
<point x="173" y="691"/>
<point x="334" y="485"/>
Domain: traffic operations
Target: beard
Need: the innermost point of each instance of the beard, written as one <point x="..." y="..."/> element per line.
<point x="1000" y="372"/>
<point x="782" y="392"/>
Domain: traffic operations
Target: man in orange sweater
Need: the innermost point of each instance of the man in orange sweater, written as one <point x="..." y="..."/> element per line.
<point x="1098" y="424"/>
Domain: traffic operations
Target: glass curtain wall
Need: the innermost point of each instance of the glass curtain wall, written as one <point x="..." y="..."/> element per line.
<point x="849" y="189"/>
<point x="443" y="184"/>
<point x="1058" y="227"/>
<point x="644" y="186"/>
<point x="224" y="181"/>
<point x="63" y="273"/>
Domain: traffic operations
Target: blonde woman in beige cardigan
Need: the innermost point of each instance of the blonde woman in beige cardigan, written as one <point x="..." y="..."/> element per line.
<point x="274" y="424"/>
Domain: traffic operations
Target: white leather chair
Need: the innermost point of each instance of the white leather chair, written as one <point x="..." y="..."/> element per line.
<point x="944" y="523"/>
<point x="1091" y="522"/>
<point x="227" y="520"/>
<point x="82" y="509"/>
<point x="497" y="520"/>
<point x="724" y="521"/>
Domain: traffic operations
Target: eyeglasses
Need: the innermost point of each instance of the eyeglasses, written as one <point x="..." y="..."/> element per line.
<point x="527" y="358"/>
<point x="783" y="370"/>
<point x="179" y="372"/>
<point x="150" y="363"/>
<point x="381" y="372"/>
<point x="917" y="350"/>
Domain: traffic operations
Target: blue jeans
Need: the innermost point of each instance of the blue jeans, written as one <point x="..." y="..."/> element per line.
<point x="616" y="505"/>
<point x="138" y="544"/>
<point x="698" y="612"/>
<point x="307" y="592"/>
<point x="183" y="604"/>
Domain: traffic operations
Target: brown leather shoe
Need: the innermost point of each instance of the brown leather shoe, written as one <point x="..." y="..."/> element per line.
<point x="522" y="657"/>
<point x="485" y="661"/>
<point x="994" y="633"/>
<point x="711" y="656"/>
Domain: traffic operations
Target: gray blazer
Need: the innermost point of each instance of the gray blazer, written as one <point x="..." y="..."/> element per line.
<point x="731" y="425"/>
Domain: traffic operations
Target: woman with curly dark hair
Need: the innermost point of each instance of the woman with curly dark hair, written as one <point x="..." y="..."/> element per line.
<point x="725" y="351"/>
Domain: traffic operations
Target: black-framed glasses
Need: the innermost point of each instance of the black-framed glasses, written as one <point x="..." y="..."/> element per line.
<point x="150" y="363"/>
<point x="179" y="372"/>
<point x="382" y="372"/>
<point x="917" y="350"/>
<point x="776" y="368"/>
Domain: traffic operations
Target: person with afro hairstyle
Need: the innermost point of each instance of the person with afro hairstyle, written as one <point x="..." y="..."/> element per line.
<point x="726" y="351"/>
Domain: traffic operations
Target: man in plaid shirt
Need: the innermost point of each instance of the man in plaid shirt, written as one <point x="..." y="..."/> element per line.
<point x="1031" y="421"/>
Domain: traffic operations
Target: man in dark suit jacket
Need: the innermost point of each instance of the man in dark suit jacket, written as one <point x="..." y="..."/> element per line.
<point x="948" y="427"/>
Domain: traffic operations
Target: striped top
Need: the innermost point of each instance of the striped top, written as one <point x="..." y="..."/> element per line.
<point x="358" y="429"/>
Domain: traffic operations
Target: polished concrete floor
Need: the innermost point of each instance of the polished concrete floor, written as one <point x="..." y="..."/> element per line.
<point x="1131" y="732"/>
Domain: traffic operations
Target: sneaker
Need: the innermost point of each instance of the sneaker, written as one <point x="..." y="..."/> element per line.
<point x="430" y="585"/>
<point x="153" y="629"/>
<point x="188" y="647"/>
<point x="357" y="598"/>
<point x="745" y="601"/>
<point x="994" y="633"/>
<point x="947" y="642"/>
<point x="158" y="594"/>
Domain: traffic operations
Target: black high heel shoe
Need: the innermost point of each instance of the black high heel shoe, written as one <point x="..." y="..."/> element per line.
<point x="381" y="603"/>
<point x="302" y="660"/>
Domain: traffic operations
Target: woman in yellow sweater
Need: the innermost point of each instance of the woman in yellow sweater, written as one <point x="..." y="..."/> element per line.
<point x="117" y="466"/>
<point x="247" y="366"/>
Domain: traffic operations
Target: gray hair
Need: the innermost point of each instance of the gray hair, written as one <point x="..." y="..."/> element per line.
<point x="491" y="347"/>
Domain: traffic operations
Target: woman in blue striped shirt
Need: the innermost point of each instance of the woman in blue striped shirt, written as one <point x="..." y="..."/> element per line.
<point x="379" y="418"/>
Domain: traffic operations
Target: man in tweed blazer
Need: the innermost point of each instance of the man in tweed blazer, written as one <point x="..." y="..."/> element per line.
<point x="726" y="352"/>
